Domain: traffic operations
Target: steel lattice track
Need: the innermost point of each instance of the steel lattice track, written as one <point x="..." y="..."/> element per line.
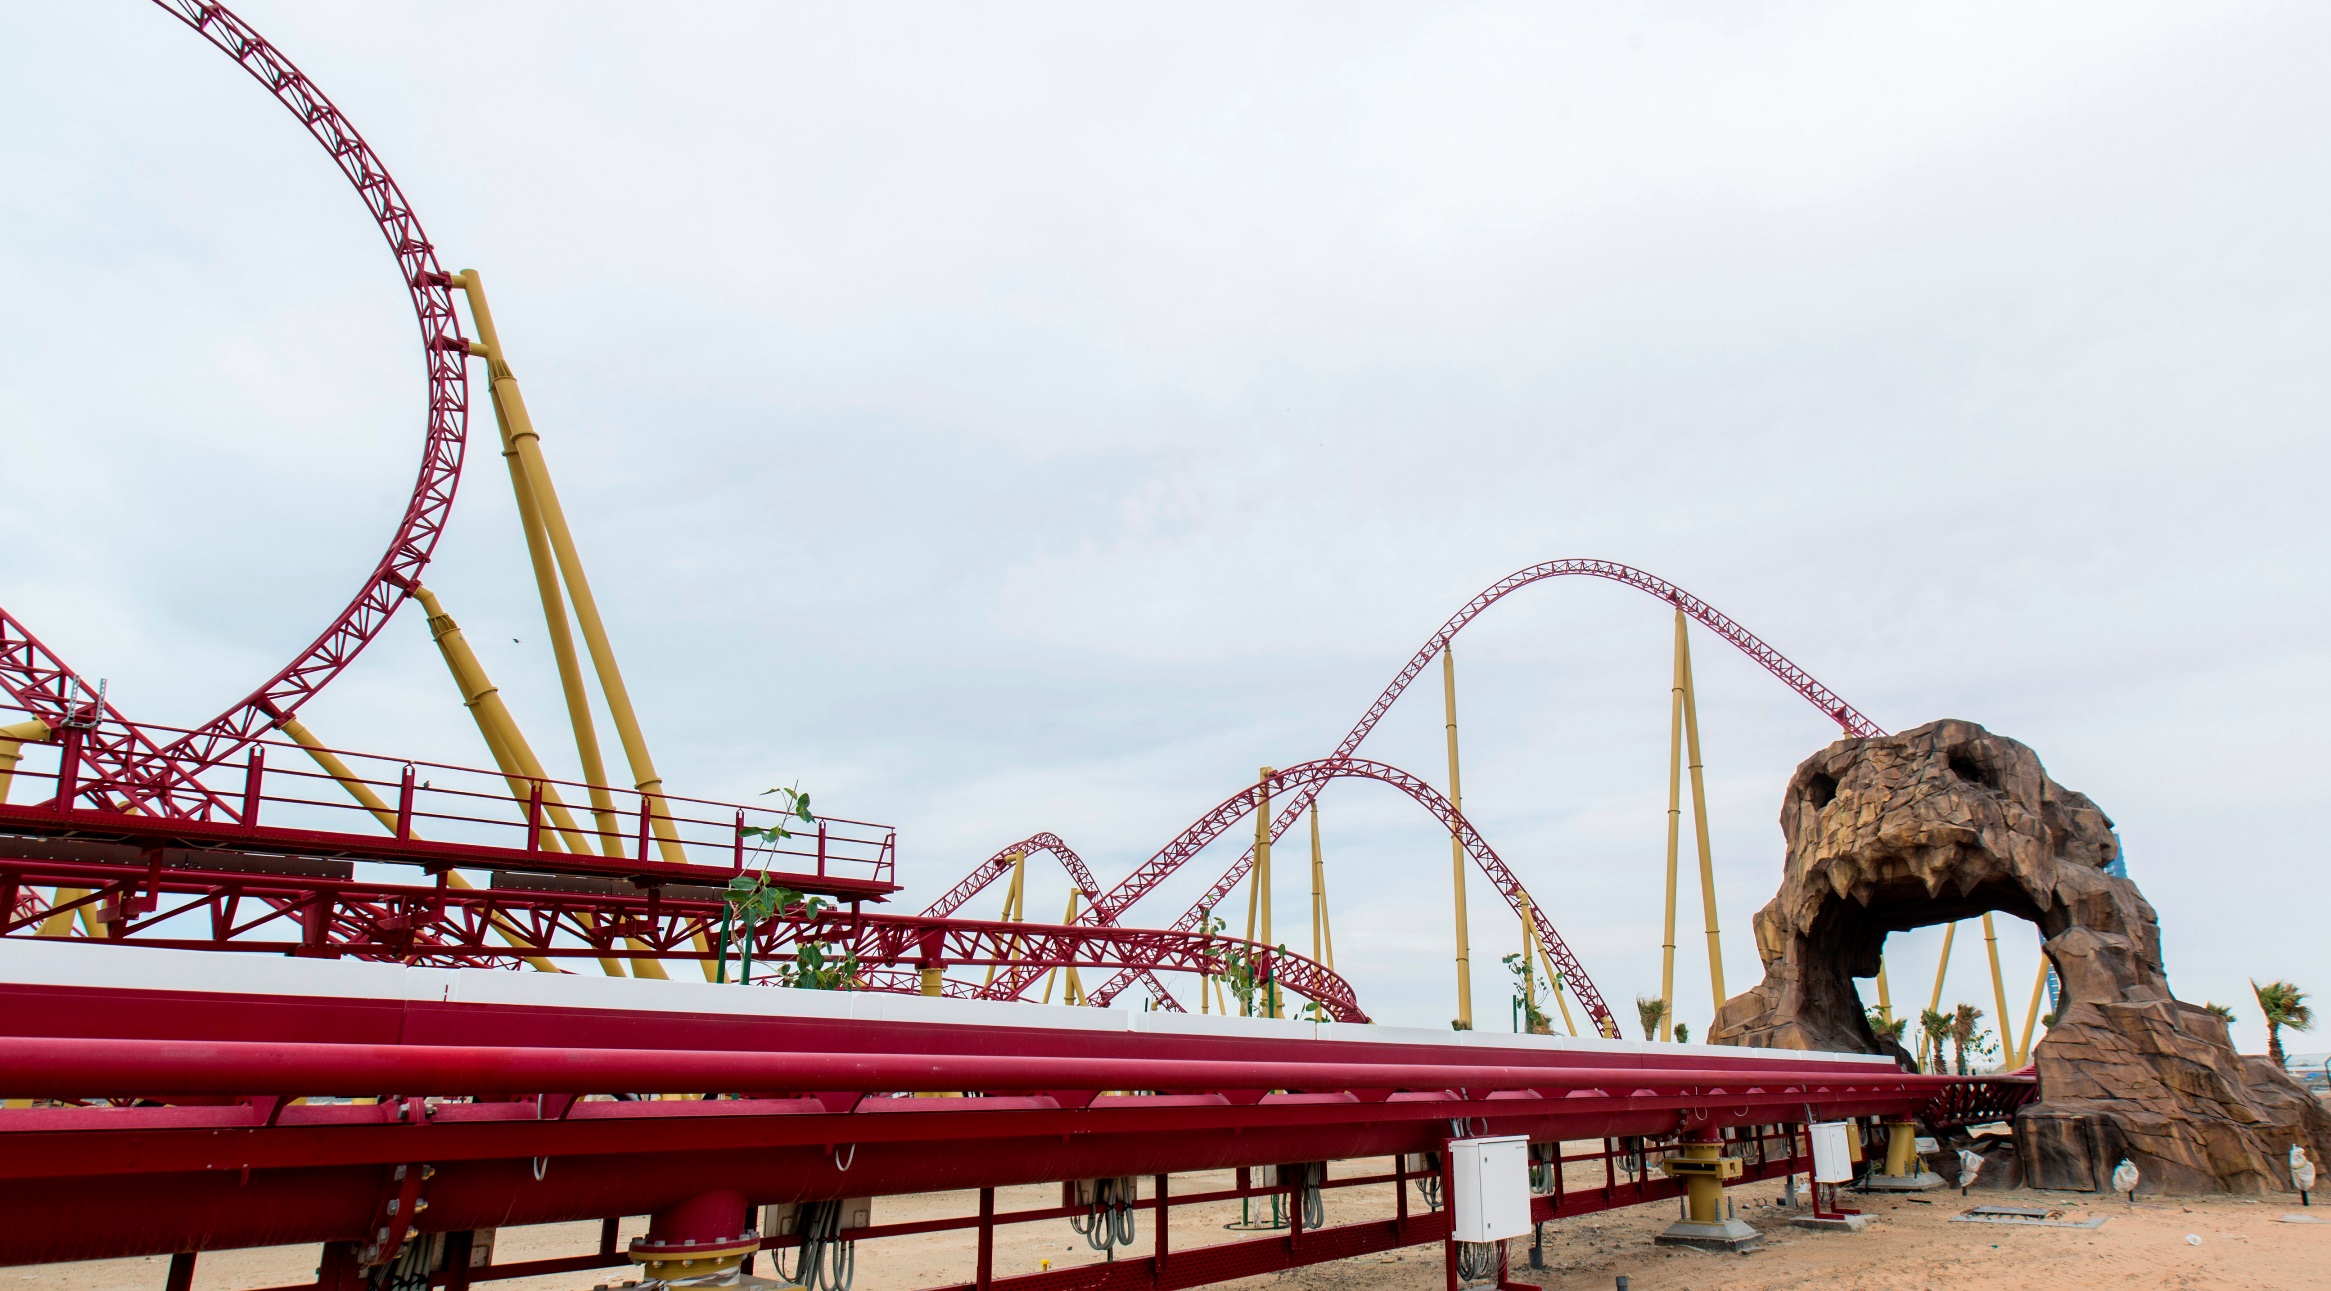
<point x="1158" y="868"/>
<point x="1308" y="777"/>
<point x="128" y="773"/>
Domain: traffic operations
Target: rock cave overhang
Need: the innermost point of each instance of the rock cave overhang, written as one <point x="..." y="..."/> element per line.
<point x="1856" y="933"/>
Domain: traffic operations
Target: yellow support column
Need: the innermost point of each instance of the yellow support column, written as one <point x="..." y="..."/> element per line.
<point x="1999" y="991"/>
<point x="12" y="741"/>
<point x="1322" y="936"/>
<point x="1464" y="1019"/>
<point x="514" y="755"/>
<point x="2031" y="1017"/>
<point x="1261" y="897"/>
<point x="1075" y="992"/>
<point x="1942" y="968"/>
<point x="1885" y="1000"/>
<point x="1700" y="815"/>
<point x="1012" y="911"/>
<point x="1529" y="966"/>
<point x="340" y="772"/>
<point x="562" y="641"/>
<point x="528" y="444"/>
<point x="1073" y="987"/>
<point x="13" y="737"/>
<point x="1708" y="1223"/>
<point x="508" y="744"/>
<point x="371" y="802"/>
<point x="1675" y="729"/>
<point x="1903" y="1171"/>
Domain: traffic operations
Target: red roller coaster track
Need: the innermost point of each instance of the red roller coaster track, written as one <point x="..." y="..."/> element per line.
<point x="1144" y="880"/>
<point x="129" y="772"/>
<point x="1308" y="777"/>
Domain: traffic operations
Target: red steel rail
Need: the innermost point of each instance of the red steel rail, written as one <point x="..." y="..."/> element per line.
<point x="498" y="1108"/>
<point x="444" y="816"/>
<point x="997" y="866"/>
<point x="1307" y="778"/>
<point x="181" y="899"/>
<point x="1000" y="864"/>
<point x="126" y="770"/>
<point x="1145" y="880"/>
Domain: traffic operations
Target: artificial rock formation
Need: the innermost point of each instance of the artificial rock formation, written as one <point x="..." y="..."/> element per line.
<point x="1949" y="821"/>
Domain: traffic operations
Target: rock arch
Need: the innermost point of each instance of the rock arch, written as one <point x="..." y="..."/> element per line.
<point x="1948" y="821"/>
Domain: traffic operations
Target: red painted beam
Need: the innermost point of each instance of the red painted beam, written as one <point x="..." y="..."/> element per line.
<point x="158" y="831"/>
<point x="51" y="1067"/>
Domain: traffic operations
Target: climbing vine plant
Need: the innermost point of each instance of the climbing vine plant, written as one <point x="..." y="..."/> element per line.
<point x="751" y="900"/>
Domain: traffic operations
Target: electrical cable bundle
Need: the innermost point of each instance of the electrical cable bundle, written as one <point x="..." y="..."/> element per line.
<point x="1314" y="1207"/>
<point x="410" y="1270"/>
<point x="826" y="1262"/>
<point x="1476" y="1263"/>
<point x="1108" y="1222"/>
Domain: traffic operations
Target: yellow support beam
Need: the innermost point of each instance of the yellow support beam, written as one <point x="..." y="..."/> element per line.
<point x="1942" y="968"/>
<point x="1999" y="991"/>
<point x="1691" y="707"/>
<point x="514" y="755"/>
<point x="381" y="811"/>
<point x="1529" y="966"/>
<point x="1013" y="910"/>
<point x="1074" y="992"/>
<point x="2031" y="1017"/>
<point x="1322" y="935"/>
<point x="1885" y="998"/>
<point x="1464" y="1019"/>
<point x="527" y="442"/>
<point x="1675" y="729"/>
<point x="13" y="738"/>
<point x="1262" y="888"/>
<point x="562" y="645"/>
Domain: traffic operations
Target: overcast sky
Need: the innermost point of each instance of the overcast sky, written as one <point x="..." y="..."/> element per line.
<point x="1005" y="419"/>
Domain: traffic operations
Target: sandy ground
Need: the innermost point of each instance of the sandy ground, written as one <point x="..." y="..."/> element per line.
<point x="1910" y="1243"/>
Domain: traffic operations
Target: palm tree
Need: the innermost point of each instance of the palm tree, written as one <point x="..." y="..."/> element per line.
<point x="1887" y="1032"/>
<point x="1962" y="1032"/>
<point x="1651" y="1009"/>
<point x="2222" y="1011"/>
<point x="2284" y="1005"/>
<point x="1933" y="1025"/>
<point x="1683" y="1034"/>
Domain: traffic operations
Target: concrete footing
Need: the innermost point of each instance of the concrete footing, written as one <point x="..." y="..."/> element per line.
<point x="1919" y="1182"/>
<point x="1729" y="1235"/>
<point x="1832" y="1223"/>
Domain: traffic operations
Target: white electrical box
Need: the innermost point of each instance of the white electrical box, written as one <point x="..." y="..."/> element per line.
<point x="783" y="1218"/>
<point x="1832" y="1151"/>
<point x="1489" y="1188"/>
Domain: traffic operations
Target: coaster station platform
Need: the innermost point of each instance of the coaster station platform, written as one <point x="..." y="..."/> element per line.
<point x="211" y="1112"/>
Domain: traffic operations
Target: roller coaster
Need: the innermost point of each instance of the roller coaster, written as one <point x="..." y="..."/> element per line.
<point x="368" y="1053"/>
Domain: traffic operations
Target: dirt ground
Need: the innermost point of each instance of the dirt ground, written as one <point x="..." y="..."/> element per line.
<point x="1910" y="1243"/>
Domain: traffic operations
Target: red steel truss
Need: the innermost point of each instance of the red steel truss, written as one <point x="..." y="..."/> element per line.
<point x="220" y="901"/>
<point x="293" y="888"/>
<point x="997" y="866"/>
<point x="125" y="771"/>
<point x="502" y="1109"/>
<point x="1000" y="864"/>
<point x="1145" y="880"/>
<point x="1307" y="777"/>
